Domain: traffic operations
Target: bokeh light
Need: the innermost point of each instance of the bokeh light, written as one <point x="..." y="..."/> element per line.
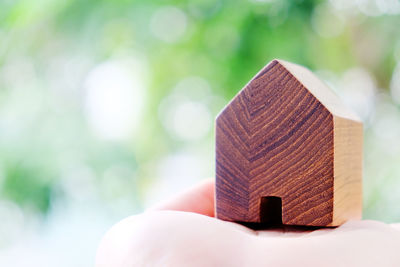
<point x="115" y="96"/>
<point x="168" y="24"/>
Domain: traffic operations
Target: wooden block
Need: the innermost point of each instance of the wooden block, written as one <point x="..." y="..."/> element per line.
<point x="288" y="151"/>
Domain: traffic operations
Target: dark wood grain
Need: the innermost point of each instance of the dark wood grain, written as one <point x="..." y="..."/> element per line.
<point x="275" y="138"/>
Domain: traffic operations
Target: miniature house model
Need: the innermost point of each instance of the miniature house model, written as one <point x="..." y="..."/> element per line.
<point x="288" y="151"/>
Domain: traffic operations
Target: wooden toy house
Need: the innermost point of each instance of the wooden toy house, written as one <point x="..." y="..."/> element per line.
<point x="288" y="151"/>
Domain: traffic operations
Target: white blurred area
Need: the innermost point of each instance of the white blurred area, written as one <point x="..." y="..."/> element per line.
<point x="115" y="96"/>
<point x="368" y="7"/>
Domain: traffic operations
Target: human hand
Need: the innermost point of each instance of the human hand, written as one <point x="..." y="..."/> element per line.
<point x="183" y="232"/>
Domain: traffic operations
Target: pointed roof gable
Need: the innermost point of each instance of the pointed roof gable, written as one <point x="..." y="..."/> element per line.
<point x="319" y="89"/>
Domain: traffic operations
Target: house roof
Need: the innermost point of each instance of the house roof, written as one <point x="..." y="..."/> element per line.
<point x="319" y="89"/>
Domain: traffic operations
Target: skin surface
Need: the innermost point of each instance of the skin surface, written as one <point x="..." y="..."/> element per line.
<point x="183" y="232"/>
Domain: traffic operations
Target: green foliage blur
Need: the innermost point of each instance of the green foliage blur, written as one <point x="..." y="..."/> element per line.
<point x="62" y="141"/>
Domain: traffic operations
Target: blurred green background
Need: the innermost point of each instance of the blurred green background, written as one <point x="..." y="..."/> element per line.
<point x="107" y="106"/>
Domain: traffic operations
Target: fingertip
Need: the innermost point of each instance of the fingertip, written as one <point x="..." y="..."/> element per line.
<point x="198" y="199"/>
